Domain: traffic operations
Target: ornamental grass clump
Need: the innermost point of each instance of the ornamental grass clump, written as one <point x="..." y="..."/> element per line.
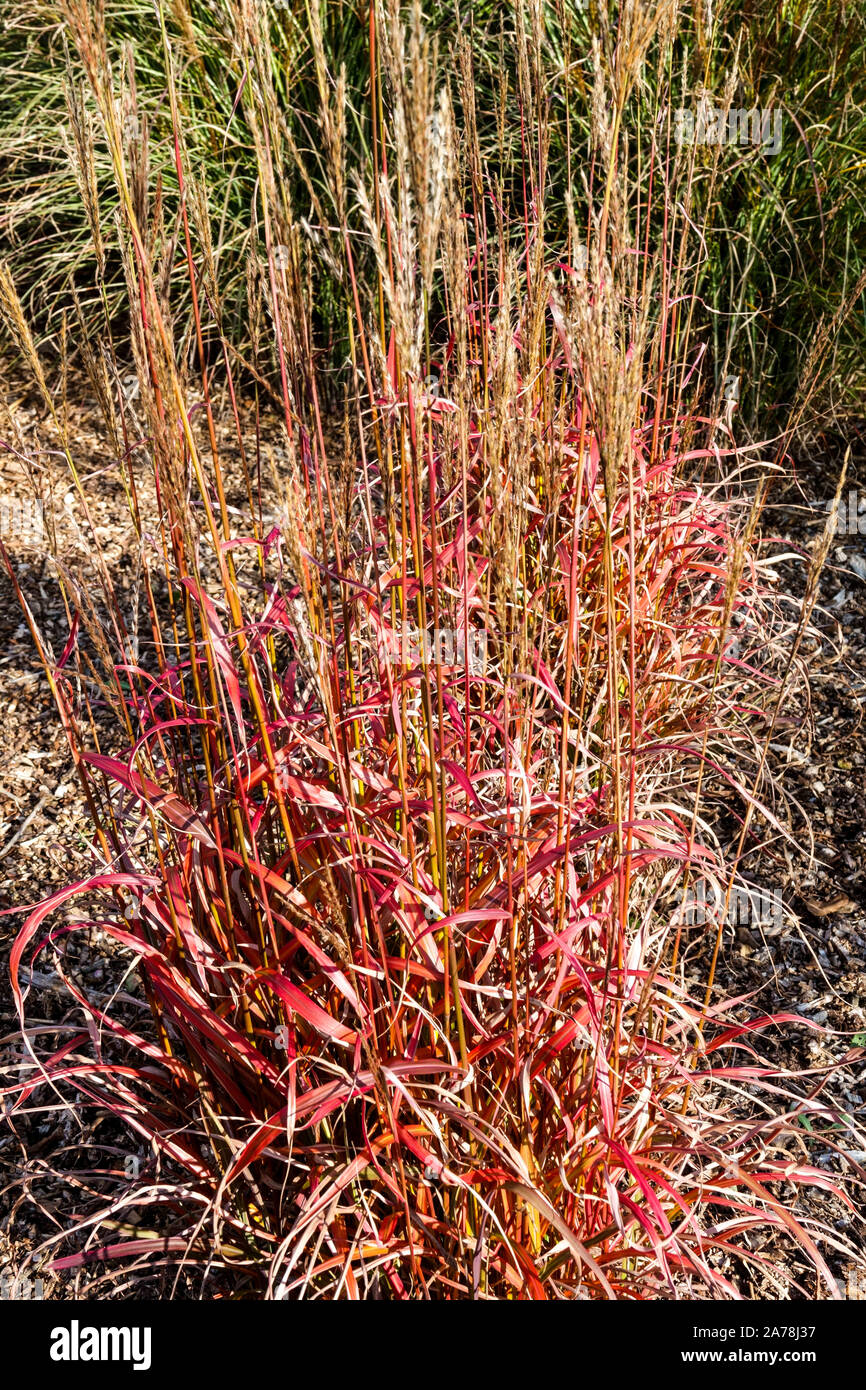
<point x="411" y="730"/>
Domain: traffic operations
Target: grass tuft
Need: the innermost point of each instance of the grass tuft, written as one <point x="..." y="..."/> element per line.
<point x="413" y="759"/>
